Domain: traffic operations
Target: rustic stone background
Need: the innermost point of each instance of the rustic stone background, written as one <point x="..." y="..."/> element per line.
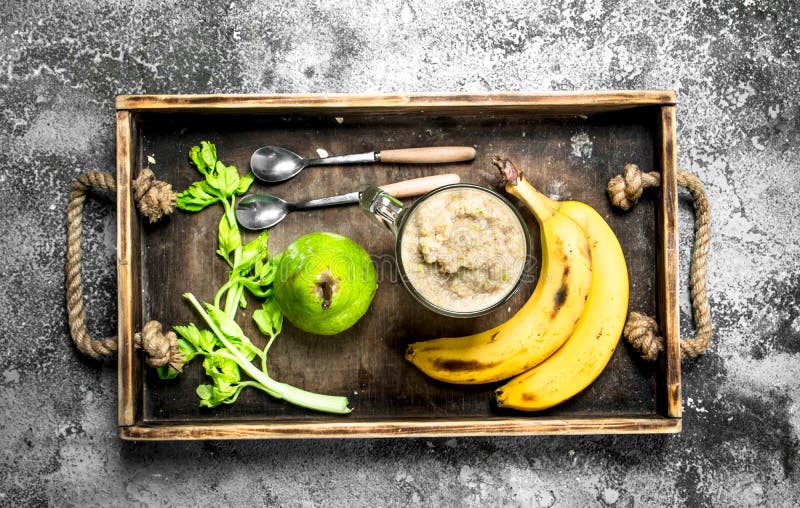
<point x="735" y="66"/>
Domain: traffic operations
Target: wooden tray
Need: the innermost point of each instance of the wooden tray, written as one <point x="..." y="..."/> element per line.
<point x="542" y="133"/>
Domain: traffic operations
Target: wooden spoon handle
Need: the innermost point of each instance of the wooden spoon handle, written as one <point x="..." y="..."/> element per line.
<point x="430" y="155"/>
<point x="418" y="186"/>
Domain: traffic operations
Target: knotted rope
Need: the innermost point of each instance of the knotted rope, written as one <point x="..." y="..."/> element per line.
<point x="154" y="200"/>
<point x="161" y="348"/>
<point x="641" y="331"/>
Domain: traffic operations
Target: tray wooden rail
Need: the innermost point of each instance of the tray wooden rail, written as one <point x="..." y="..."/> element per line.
<point x="569" y="144"/>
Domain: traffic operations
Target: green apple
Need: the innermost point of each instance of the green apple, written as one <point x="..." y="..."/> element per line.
<point x="325" y="283"/>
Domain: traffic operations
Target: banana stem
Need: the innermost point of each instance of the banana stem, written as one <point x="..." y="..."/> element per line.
<point x="518" y="186"/>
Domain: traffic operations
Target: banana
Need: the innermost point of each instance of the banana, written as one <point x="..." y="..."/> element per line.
<point x="586" y="353"/>
<point x="541" y="326"/>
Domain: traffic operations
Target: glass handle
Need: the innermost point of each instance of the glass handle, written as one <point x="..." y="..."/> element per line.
<point x="381" y="205"/>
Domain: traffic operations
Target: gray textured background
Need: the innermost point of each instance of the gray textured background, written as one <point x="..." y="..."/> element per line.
<point x="735" y="66"/>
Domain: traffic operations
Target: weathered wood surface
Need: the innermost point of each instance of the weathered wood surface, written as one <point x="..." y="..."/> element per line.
<point x="129" y="302"/>
<point x="423" y="428"/>
<point x="667" y="258"/>
<point x="569" y="157"/>
<point x="544" y="102"/>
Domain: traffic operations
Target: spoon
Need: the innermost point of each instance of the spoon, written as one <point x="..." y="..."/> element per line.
<point x="262" y="211"/>
<point x="275" y="164"/>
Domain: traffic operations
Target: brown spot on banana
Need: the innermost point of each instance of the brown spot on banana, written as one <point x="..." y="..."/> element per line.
<point x="561" y="295"/>
<point x="455" y="365"/>
<point x="559" y="299"/>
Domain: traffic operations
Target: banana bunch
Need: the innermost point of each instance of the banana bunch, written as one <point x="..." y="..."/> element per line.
<point x="563" y="337"/>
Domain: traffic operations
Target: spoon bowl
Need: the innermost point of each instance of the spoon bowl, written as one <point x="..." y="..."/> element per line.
<point x="276" y="164"/>
<point x="261" y="211"/>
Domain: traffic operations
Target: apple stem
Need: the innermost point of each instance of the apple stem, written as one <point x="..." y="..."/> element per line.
<point x="327" y="294"/>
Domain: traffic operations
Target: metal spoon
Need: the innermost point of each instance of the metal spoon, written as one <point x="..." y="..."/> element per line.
<point x="262" y="211"/>
<point x="276" y="164"/>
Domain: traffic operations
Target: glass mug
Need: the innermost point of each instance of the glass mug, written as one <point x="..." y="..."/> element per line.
<point x="391" y="212"/>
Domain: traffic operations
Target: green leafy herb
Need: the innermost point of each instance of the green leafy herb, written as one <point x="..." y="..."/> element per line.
<point x="226" y="351"/>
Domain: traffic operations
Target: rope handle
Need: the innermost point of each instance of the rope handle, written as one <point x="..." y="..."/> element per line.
<point x="154" y="199"/>
<point x="641" y="331"/>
